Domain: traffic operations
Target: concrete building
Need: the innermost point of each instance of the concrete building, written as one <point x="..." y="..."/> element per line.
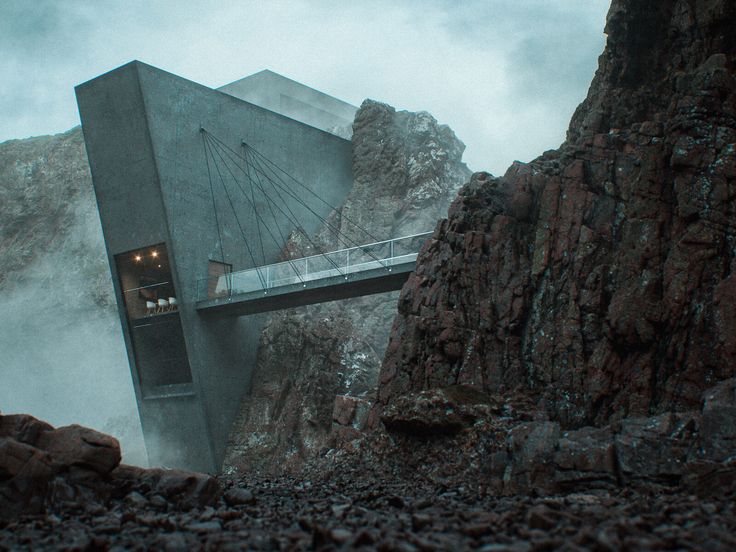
<point x="148" y="158"/>
<point x="292" y="99"/>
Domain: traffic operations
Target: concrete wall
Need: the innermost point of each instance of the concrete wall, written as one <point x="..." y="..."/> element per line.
<point x="142" y="130"/>
<point x="293" y="99"/>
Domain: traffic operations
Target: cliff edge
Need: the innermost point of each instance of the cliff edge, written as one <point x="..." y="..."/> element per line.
<point x="598" y="280"/>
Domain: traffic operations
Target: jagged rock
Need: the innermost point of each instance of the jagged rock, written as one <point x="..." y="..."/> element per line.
<point x="530" y="448"/>
<point x="657" y="447"/>
<point x="406" y="169"/>
<point x="75" y="445"/>
<point x="351" y="411"/>
<point x="668" y="449"/>
<point x="717" y="438"/>
<point x="23" y="428"/>
<point x="586" y="457"/>
<point x="42" y="467"/>
<point x="436" y="411"/>
<point x="25" y="473"/>
<point x="237" y="496"/>
<point x="180" y="488"/>
<point x="599" y="278"/>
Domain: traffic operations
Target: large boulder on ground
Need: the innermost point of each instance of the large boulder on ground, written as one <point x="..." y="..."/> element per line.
<point x="43" y="468"/>
<point x="75" y="445"/>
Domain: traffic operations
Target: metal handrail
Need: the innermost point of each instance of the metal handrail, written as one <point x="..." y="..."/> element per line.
<point x="269" y="269"/>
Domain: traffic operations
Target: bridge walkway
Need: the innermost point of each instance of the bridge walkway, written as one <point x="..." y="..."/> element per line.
<point x="353" y="272"/>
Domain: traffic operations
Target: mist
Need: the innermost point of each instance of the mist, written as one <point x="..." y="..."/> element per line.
<point x="505" y="75"/>
<point x="62" y="356"/>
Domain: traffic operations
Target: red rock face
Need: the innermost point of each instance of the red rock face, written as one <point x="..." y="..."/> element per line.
<point x="598" y="280"/>
<point x="407" y="168"/>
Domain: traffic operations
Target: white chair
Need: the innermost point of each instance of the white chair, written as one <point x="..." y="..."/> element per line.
<point x="173" y="304"/>
<point x="163" y="305"/>
<point x="150" y="307"/>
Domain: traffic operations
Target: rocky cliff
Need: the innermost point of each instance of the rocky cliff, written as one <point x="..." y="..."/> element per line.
<point x="599" y="280"/>
<point x="407" y="168"/>
<point x="571" y="325"/>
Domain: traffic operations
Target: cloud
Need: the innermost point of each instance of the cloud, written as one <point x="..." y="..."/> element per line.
<point x="505" y="75"/>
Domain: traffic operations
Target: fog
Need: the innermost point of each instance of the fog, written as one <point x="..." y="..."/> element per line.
<point x="62" y="357"/>
<point x="505" y="75"/>
<point x="67" y="366"/>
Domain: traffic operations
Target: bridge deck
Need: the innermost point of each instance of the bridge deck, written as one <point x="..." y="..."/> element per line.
<point x="353" y="272"/>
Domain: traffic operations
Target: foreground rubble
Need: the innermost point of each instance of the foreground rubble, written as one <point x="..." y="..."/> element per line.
<point x="64" y="489"/>
<point x="358" y="509"/>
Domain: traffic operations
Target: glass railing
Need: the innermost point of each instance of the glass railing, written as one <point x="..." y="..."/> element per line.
<point x="342" y="263"/>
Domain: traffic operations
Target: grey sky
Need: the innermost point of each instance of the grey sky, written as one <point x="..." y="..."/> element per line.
<point x="506" y="75"/>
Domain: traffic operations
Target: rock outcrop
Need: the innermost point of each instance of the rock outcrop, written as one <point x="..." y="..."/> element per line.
<point x="599" y="280"/>
<point x="43" y="469"/>
<point x="406" y="170"/>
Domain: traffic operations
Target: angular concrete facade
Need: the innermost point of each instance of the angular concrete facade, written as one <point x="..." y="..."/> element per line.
<point x="146" y="153"/>
<point x="282" y="95"/>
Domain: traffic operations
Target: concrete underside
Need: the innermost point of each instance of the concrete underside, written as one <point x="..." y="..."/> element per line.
<point x="320" y="291"/>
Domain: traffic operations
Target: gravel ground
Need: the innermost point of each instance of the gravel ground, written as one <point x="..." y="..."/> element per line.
<point x="353" y="512"/>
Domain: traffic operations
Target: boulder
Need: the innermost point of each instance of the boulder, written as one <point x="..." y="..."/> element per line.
<point x="437" y="411"/>
<point x="81" y="446"/>
<point x="717" y="438"/>
<point x="656" y="448"/>
<point x="23" y="428"/>
<point x="42" y="467"/>
<point x="180" y="488"/>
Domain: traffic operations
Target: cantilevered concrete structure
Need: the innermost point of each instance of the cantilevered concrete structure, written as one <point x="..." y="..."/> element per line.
<point x="288" y="97"/>
<point x="142" y="128"/>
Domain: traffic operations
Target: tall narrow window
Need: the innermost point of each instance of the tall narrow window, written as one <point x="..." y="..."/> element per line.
<point x="152" y="307"/>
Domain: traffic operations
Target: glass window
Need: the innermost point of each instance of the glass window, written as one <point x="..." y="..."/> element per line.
<point x="152" y="308"/>
<point x="145" y="278"/>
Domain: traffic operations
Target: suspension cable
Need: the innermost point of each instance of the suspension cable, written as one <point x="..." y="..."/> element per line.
<point x="295" y="221"/>
<point x="271" y="163"/>
<point x="258" y="216"/>
<point x="212" y="195"/>
<point x="242" y="232"/>
<point x="282" y="186"/>
<point x="339" y="235"/>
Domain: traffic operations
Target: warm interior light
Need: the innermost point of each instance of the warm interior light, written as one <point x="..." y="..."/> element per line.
<point x="154" y="254"/>
<point x="138" y="258"/>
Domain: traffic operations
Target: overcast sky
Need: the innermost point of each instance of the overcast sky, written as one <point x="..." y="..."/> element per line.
<point x="506" y="75"/>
